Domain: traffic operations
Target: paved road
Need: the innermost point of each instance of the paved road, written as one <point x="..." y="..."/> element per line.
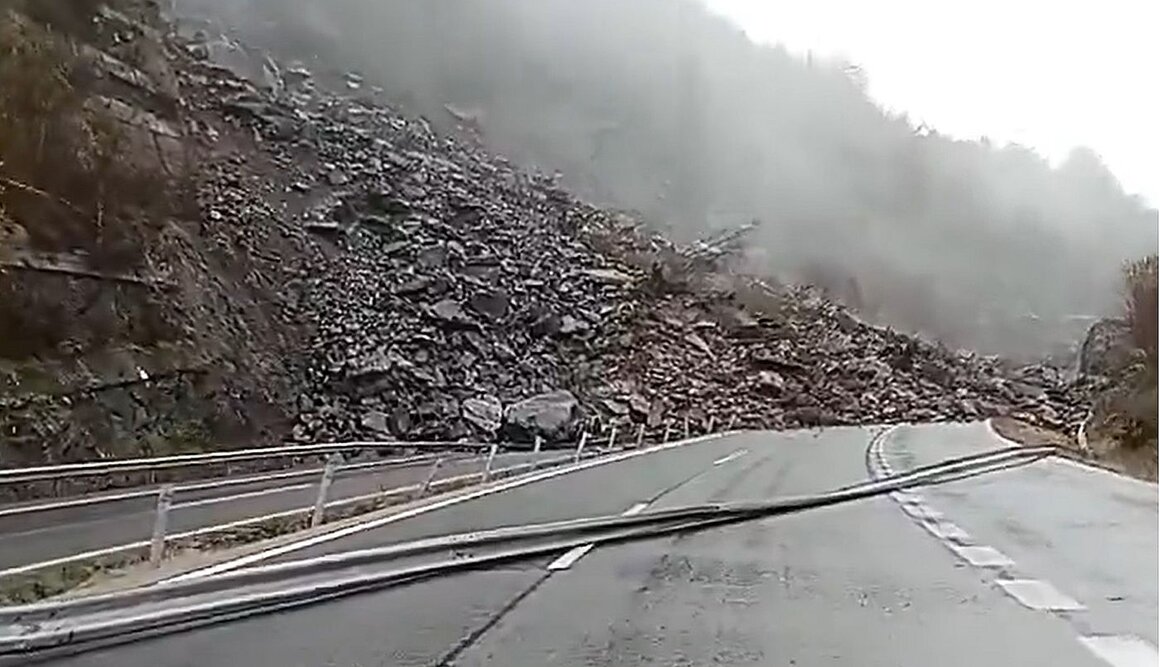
<point x="862" y="584"/>
<point x="41" y="536"/>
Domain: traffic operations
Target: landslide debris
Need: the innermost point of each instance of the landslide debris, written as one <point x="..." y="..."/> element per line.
<point x="459" y="296"/>
<point x="347" y="272"/>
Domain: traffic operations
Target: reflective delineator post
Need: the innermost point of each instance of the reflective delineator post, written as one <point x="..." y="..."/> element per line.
<point x="429" y="479"/>
<point x="160" y="522"/>
<point x="668" y="431"/>
<point x="539" y="444"/>
<point x="612" y="437"/>
<point x="490" y="460"/>
<point x="640" y="436"/>
<point x="319" y="513"/>
<point x="580" y="447"/>
<point x="712" y="421"/>
<point x="688" y="428"/>
<point x="732" y="422"/>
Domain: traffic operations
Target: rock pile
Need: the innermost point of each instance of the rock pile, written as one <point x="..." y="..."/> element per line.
<point x="452" y="295"/>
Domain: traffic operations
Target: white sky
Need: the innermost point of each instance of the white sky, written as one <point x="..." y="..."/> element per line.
<point x="1049" y="75"/>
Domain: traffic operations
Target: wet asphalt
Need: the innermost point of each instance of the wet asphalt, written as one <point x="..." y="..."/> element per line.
<point x="862" y="584"/>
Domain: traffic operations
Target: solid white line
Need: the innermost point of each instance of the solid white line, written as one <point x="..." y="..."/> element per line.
<point x="1122" y="650"/>
<point x="241" y="496"/>
<point x="1035" y="594"/>
<point x="1069" y="461"/>
<point x="576" y="553"/>
<point x="729" y="457"/>
<point x="323" y="538"/>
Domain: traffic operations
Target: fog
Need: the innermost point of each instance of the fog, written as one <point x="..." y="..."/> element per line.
<point x="660" y="107"/>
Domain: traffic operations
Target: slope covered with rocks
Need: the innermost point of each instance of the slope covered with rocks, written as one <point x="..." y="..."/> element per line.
<point x="354" y="274"/>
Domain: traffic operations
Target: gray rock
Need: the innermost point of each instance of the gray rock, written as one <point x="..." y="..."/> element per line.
<point x="553" y="415"/>
<point x="492" y="305"/>
<point x="485" y="413"/>
<point x="376" y="421"/>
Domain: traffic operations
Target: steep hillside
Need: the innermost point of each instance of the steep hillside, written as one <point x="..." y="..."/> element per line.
<point x="658" y="106"/>
<point x="323" y="265"/>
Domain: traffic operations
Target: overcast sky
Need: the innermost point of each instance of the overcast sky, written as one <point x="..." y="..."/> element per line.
<point x="1050" y="75"/>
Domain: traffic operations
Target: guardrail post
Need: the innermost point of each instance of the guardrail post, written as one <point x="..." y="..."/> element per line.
<point x="668" y="431"/>
<point x="539" y="444"/>
<point x="580" y="447"/>
<point x="640" y="436"/>
<point x="709" y="428"/>
<point x="160" y="522"/>
<point x="612" y="437"/>
<point x="490" y="460"/>
<point x="688" y="428"/>
<point x="429" y="479"/>
<point x="323" y="489"/>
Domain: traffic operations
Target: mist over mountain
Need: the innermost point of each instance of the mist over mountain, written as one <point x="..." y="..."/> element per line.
<point x="663" y="108"/>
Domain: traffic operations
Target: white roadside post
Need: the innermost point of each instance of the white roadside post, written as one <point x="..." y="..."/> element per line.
<point x="712" y="421"/>
<point x="539" y="445"/>
<point x="732" y="423"/>
<point x="612" y="437"/>
<point x="580" y="447"/>
<point x="429" y="479"/>
<point x="323" y="489"/>
<point x="160" y="522"/>
<point x="668" y="431"/>
<point x="688" y="428"/>
<point x="490" y="460"/>
<point x="640" y="436"/>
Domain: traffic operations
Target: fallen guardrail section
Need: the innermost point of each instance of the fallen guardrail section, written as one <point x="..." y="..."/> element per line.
<point x="51" y="629"/>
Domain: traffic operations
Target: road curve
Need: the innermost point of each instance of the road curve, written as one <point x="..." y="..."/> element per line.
<point x="877" y="582"/>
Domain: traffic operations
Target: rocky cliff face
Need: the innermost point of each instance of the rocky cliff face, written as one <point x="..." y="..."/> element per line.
<point x="337" y="269"/>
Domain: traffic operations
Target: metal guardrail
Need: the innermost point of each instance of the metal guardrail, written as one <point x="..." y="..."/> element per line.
<point x="96" y="468"/>
<point x="588" y="444"/>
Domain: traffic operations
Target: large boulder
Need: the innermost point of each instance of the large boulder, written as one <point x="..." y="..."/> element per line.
<point x="553" y="416"/>
<point x="1106" y="348"/>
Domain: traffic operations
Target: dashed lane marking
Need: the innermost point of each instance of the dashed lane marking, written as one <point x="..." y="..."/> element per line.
<point x="982" y="556"/>
<point x="729" y="457"/>
<point x="1036" y="594"/>
<point x="945" y="530"/>
<point x="1122" y="650"/>
<point x="576" y="553"/>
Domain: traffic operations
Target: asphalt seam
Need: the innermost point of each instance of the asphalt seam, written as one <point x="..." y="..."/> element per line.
<point x="1035" y="594"/>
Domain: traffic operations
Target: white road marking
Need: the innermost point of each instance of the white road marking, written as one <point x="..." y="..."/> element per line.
<point x="923" y="512"/>
<point x="323" y="538"/>
<point x="945" y="530"/>
<point x="241" y="496"/>
<point x="576" y="553"/>
<point x="1041" y="595"/>
<point x="735" y="455"/>
<point x="906" y="497"/>
<point x="1122" y="650"/>
<point x="982" y="556"/>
